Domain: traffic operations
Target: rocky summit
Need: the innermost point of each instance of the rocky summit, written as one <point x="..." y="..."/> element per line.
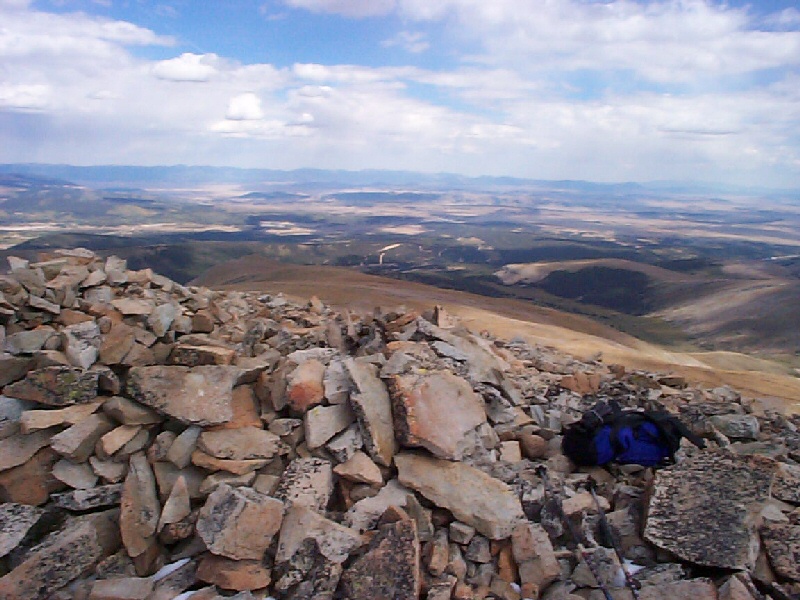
<point x="159" y="441"/>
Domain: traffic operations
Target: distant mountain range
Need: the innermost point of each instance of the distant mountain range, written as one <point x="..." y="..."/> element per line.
<point x="175" y="175"/>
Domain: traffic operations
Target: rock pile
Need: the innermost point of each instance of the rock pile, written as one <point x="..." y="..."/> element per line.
<point x="160" y="441"/>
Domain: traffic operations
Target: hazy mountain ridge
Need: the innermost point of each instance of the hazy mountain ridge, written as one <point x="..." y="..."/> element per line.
<point x="191" y="174"/>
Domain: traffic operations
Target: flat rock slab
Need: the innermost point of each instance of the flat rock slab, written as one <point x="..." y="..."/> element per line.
<point x="56" y="386"/>
<point x="334" y="541"/>
<point x="63" y="556"/>
<point x="308" y="482"/>
<point x="195" y="396"/>
<point x="239" y="523"/>
<point x="373" y="408"/>
<point x="244" y="443"/>
<point x="436" y="411"/>
<point x="15" y="521"/>
<point x="98" y="497"/>
<point x="140" y="506"/>
<point x="474" y="497"/>
<point x="782" y="541"/>
<point x="239" y="575"/>
<point x="19" y="449"/>
<point x="701" y="509"/>
<point x="389" y="568"/>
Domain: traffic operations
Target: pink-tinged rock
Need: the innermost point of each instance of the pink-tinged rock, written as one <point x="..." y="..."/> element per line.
<point x="533" y="553"/>
<point x="308" y="482"/>
<point x="178" y="505"/>
<point x="372" y="406"/>
<point x="32" y="482"/>
<point x="244" y="443"/>
<point x="13" y="368"/>
<point x="304" y="387"/>
<point x="122" y="588"/>
<point x="321" y="423"/>
<point x="692" y="589"/>
<point x="117" y="438"/>
<point x="782" y="541"/>
<point x="239" y="523"/>
<point x="133" y="306"/>
<point x="56" y="386"/>
<point x="78" y="476"/>
<point x="140" y="509"/>
<point x="117" y="343"/>
<point x="334" y="541"/>
<point x="194" y="356"/>
<point x="361" y="469"/>
<point x="195" y="396"/>
<point x="435" y="411"/>
<point x="34" y="420"/>
<point x="474" y="497"/>
<point x="63" y="556"/>
<point x="582" y="383"/>
<point x="238" y="467"/>
<point x="128" y="412"/>
<point x="15" y="521"/>
<point x="78" y="442"/>
<point x="19" y="449"/>
<point x="239" y="575"/>
<point x="181" y="449"/>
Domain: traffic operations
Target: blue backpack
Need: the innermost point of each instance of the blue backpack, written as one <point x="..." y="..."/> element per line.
<point x="606" y="434"/>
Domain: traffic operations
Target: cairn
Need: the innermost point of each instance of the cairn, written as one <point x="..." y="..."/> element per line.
<point x="159" y="441"/>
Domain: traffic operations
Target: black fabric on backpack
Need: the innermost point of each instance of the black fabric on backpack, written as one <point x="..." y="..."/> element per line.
<point x="606" y="433"/>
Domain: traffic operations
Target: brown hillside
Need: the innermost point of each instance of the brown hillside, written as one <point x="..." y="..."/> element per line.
<point x="582" y="337"/>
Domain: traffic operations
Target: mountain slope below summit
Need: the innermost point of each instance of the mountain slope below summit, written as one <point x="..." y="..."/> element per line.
<point x="345" y="289"/>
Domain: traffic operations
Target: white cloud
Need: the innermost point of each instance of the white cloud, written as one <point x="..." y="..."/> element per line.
<point x="516" y="106"/>
<point x="411" y="41"/>
<point x="187" y="67"/>
<point x="245" y="107"/>
<point x="666" y="41"/>
<point x="349" y="8"/>
<point x="24" y="97"/>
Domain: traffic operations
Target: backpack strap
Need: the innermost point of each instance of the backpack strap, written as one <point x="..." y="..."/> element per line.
<point x="673" y="428"/>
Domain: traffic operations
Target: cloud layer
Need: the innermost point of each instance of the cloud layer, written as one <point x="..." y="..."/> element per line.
<point x="621" y="90"/>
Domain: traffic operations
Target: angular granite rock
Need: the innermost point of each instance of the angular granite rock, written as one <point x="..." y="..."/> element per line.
<point x="15" y="521"/>
<point x="373" y="408"/>
<point x="321" y="423"/>
<point x="195" y="396"/>
<point x="474" y="497"/>
<point x="308" y="482"/>
<point x="782" y="541"/>
<point x="78" y="441"/>
<point x="82" y="500"/>
<point x="18" y="449"/>
<point x="304" y="387"/>
<point x="390" y="567"/>
<point x="140" y="509"/>
<point x="236" y="575"/>
<point x="56" y="386"/>
<point x="33" y="420"/>
<point x="704" y="509"/>
<point x="300" y="523"/>
<point x="63" y="556"/>
<point x="244" y="443"/>
<point x="435" y="411"/>
<point x="239" y="523"/>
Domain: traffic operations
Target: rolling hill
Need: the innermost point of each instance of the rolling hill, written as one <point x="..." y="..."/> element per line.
<point x="349" y="290"/>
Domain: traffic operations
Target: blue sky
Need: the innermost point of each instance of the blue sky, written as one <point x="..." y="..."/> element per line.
<point x="614" y="90"/>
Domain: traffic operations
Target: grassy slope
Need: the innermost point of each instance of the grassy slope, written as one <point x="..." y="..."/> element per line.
<point x="582" y="337"/>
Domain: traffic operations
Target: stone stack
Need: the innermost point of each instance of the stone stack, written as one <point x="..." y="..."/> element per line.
<point x="160" y="441"/>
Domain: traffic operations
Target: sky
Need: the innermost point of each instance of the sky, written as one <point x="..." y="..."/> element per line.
<point x="600" y="90"/>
